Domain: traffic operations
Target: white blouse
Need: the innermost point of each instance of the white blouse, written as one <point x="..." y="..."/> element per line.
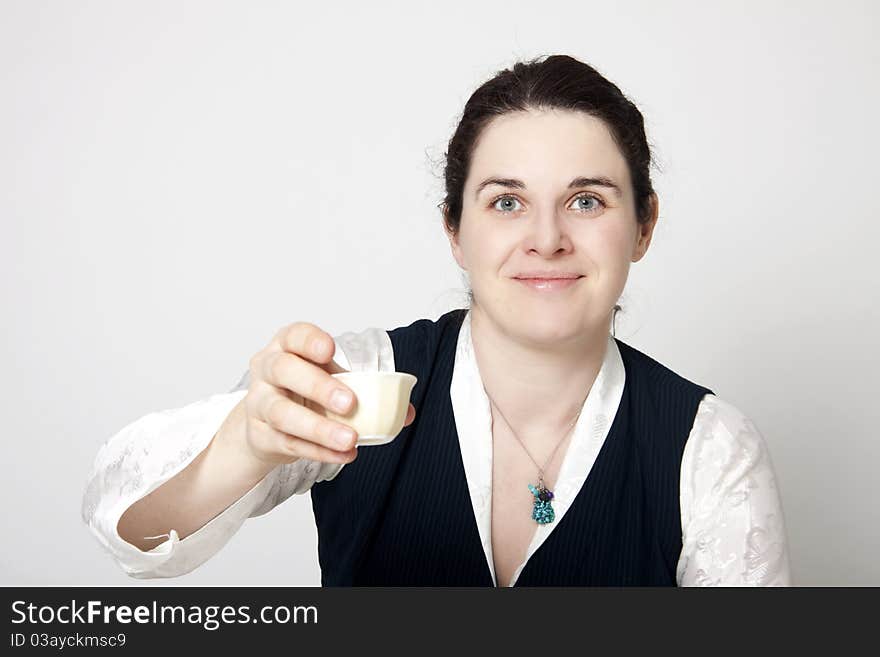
<point x="733" y="528"/>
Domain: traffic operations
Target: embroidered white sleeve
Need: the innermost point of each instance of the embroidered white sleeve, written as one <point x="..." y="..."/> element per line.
<point x="140" y="458"/>
<point x="154" y="448"/>
<point x="733" y="527"/>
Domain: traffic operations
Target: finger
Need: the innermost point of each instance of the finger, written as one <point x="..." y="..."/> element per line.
<point x="410" y="415"/>
<point x="274" y="441"/>
<point x="291" y="372"/>
<point x="297" y="420"/>
<point x="333" y="367"/>
<point x="309" y="341"/>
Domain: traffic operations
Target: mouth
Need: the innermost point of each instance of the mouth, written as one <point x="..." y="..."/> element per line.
<point x="549" y="284"/>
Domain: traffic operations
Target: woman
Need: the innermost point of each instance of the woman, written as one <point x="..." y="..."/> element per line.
<point x="544" y="451"/>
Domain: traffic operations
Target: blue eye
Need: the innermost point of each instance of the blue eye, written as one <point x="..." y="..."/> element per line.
<point x="598" y="203"/>
<point x="590" y="197"/>
<point x="504" y="198"/>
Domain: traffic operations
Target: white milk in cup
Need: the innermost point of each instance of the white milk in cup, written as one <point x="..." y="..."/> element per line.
<point x="381" y="403"/>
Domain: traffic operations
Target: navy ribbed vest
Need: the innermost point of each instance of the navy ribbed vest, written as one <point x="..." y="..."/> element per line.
<point x="400" y="514"/>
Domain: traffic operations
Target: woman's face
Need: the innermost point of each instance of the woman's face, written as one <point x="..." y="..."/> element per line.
<point x="540" y="223"/>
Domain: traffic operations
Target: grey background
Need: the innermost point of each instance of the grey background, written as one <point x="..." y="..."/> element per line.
<point x="181" y="179"/>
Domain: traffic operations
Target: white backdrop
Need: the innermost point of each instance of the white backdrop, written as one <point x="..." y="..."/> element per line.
<point x="181" y="179"/>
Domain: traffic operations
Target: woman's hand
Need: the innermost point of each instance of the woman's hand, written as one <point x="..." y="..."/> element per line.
<point x="290" y="377"/>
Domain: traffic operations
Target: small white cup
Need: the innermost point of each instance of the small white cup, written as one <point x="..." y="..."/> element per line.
<point x="382" y="400"/>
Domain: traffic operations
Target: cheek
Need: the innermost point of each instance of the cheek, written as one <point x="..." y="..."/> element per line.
<point x="485" y="251"/>
<point x="611" y="244"/>
<point x="614" y="264"/>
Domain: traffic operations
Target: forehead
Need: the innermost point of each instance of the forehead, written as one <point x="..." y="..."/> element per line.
<point x="547" y="146"/>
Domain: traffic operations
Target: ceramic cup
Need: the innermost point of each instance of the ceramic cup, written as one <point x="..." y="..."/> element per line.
<point x="381" y="403"/>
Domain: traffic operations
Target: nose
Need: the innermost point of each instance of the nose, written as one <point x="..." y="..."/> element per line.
<point x="547" y="233"/>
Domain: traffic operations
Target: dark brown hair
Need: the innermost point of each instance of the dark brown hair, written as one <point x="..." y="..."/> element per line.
<point x="553" y="82"/>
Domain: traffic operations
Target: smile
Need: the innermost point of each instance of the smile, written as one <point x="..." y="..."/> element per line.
<point x="548" y="284"/>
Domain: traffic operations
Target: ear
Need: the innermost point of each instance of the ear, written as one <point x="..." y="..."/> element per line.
<point x="453" y="243"/>
<point x="646" y="230"/>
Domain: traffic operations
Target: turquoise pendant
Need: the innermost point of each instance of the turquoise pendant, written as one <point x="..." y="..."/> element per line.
<point x="542" y="512"/>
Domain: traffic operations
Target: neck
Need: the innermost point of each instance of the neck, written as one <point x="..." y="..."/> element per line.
<point x="538" y="387"/>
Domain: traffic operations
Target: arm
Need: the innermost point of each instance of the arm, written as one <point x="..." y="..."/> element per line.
<point x="131" y="503"/>
<point x="733" y="527"/>
<point x="152" y="450"/>
<point x="219" y="474"/>
<point x="138" y="460"/>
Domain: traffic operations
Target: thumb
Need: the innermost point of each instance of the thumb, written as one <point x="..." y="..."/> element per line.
<point x="410" y="415"/>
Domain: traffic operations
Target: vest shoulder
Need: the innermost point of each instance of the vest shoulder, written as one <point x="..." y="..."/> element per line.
<point x="422" y="340"/>
<point x="653" y="370"/>
<point x="426" y="328"/>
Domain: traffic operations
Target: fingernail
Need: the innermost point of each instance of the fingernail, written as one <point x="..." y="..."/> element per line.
<point x="340" y="400"/>
<point x="343" y="437"/>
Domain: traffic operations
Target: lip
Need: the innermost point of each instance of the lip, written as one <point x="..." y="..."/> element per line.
<point x="548" y="284"/>
<point x="548" y="273"/>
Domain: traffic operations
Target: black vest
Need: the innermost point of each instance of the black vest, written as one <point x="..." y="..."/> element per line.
<point x="400" y="514"/>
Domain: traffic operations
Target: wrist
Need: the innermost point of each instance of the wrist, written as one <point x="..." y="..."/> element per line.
<point x="231" y="442"/>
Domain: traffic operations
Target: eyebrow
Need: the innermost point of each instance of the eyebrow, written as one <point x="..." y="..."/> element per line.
<point x="580" y="181"/>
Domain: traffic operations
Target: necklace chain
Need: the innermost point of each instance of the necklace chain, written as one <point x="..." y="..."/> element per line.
<point x="540" y="469"/>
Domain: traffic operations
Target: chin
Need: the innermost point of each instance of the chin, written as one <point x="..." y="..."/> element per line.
<point x="549" y="327"/>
